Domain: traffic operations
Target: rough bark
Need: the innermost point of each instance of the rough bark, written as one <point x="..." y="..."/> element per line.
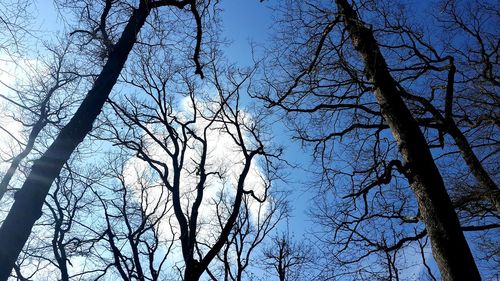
<point x="449" y="247"/>
<point x="29" y="199"/>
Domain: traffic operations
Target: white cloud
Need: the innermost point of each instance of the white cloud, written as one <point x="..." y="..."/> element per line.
<point x="11" y="73"/>
<point x="224" y="157"/>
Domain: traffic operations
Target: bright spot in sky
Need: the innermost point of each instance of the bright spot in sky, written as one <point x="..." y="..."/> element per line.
<point x="224" y="157"/>
<point x="10" y="130"/>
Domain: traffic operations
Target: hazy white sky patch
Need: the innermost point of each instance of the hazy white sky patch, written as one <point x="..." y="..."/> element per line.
<point x="224" y="158"/>
<point x="12" y="75"/>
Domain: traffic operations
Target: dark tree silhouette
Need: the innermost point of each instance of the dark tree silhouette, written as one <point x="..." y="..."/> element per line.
<point x="26" y="209"/>
<point x="39" y="110"/>
<point x="249" y="233"/>
<point x="177" y="144"/>
<point x="288" y="257"/>
<point x="169" y="176"/>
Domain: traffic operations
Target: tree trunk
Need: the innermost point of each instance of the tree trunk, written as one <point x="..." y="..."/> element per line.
<point x="29" y="200"/>
<point x="16" y="161"/>
<point x="449" y="247"/>
<point x="193" y="271"/>
<point x="489" y="187"/>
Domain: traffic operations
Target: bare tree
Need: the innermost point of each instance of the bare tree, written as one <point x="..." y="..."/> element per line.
<point x="16" y="228"/>
<point x="39" y="106"/>
<point x="15" y="20"/>
<point x="54" y="241"/>
<point x="54" y="247"/>
<point x="249" y="233"/>
<point x="177" y="143"/>
<point x="137" y="214"/>
<point x="288" y="257"/>
<point x="330" y="81"/>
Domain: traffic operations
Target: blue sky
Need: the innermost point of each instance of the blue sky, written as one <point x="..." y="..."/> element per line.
<point x="245" y="22"/>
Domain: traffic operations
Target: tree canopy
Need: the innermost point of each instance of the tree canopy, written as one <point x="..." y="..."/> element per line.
<point x="135" y="148"/>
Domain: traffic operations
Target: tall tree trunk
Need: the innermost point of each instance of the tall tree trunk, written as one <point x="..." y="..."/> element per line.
<point x="449" y="247"/>
<point x="475" y="166"/>
<point x="28" y="203"/>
